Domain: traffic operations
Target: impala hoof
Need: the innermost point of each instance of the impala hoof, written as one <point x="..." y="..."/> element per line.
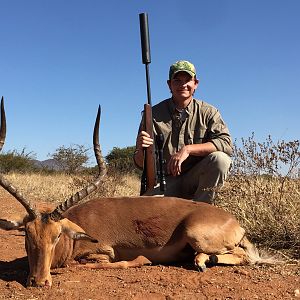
<point x="201" y="268"/>
<point x="213" y="259"/>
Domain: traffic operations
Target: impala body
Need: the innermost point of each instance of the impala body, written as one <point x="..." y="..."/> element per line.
<point x="133" y="231"/>
<point x="126" y="231"/>
<point x="161" y="229"/>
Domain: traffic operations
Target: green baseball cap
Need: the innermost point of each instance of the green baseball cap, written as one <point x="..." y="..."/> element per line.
<point x="182" y="66"/>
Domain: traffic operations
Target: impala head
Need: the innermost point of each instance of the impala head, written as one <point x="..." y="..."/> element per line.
<point x="43" y="231"/>
<point x="42" y="235"/>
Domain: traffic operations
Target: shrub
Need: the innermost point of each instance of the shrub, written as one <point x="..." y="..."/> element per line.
<point x="17" y="161"/>
<point x="121" y="160"/>
<point x="263" y="192"/>
<point x="267" y="158"/>
<point x="71" y="159"/>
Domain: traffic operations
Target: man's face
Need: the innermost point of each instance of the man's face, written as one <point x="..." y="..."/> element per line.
<point x="182" y="86"/>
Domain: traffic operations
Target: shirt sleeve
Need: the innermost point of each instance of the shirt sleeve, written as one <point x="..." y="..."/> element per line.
<point x="218" y="133"/>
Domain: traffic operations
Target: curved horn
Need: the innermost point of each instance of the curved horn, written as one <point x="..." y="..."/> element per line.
<point x="76" y="198"/>
<point x="3" y="125"/>
<point x="3" y="182"/>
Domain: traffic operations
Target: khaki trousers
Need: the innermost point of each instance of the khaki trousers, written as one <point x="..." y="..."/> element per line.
<point x="200" y="182"/>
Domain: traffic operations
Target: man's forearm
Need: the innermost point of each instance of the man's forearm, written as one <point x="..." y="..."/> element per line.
<point x="201" y="149"/>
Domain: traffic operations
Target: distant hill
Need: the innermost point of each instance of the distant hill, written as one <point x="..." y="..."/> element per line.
<point x="50" y="164"/>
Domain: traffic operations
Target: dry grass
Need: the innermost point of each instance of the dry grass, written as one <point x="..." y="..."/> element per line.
<point x="57" y="187"/>
<point x="48" y="188"/>
<point x="268" y="208"/>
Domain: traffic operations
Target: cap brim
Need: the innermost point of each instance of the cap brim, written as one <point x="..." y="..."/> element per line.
<point x="192" y="74"/>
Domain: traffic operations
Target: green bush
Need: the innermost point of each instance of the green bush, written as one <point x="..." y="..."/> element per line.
<point x="17" y="161"/>
<point x="121" y="160"/>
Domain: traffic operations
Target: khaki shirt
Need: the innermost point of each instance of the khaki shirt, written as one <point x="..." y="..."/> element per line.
<point x="199" y="123"/>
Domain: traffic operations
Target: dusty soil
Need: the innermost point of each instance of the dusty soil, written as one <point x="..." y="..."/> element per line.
<point x="148" y="282"/>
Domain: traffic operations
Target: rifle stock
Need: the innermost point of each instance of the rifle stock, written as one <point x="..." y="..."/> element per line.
<point x="149" y="171"/>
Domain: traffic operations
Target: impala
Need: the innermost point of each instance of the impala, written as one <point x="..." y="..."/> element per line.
<point x="125" y="231"/>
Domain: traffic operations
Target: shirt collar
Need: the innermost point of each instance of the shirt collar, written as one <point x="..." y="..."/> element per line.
<point x="188" y="109"/>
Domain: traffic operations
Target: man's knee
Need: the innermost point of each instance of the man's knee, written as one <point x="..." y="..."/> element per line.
<point x="220" y="161"/>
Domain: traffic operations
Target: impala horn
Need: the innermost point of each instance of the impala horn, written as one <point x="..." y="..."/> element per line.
<point x="56" y="215"/>
<point x="33" y="213"/>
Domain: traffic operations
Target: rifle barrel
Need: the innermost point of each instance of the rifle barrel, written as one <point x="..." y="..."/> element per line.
<point x="144" y="28"/>
<point x="145" y="44"/>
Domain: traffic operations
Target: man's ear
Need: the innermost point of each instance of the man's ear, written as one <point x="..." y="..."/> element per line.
<point x="169" y="84"/>
<point x="75" y="232"/>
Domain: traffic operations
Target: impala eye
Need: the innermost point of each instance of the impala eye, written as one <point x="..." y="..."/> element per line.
<point x="56" y="239"/>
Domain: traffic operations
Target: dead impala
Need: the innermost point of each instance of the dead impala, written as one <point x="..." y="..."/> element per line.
<point x="125" y="231"/>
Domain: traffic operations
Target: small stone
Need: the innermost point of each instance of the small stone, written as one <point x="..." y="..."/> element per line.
<point x="241" y="272"/>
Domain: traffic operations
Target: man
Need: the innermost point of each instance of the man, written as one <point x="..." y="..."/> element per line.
<point x="197" y="143"/>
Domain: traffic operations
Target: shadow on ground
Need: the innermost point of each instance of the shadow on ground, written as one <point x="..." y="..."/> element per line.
<point x="15" y="270"/>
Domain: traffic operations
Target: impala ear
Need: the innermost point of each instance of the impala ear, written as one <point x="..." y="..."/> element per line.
<point x="75" y="232"/>
<point x="10" y="224"/>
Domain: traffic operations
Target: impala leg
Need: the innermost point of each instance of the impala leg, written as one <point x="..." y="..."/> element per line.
<point x="106" y="264"/>
<point x="200" y="261"/>
<point x="236" y="257"/>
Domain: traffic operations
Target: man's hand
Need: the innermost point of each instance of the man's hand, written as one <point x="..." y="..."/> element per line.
<point x="144" y="140"/>
<point x="174" y="165"/>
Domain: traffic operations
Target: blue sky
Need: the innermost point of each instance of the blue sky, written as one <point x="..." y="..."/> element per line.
<point x="60" y="59"/>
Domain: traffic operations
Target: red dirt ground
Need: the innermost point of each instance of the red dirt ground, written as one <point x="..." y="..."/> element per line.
<point x="148" y="282"/>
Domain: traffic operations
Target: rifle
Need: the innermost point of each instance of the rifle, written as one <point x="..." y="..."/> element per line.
<point x="149" y="178"/>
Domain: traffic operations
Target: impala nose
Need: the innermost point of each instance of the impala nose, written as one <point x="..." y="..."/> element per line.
<point x="47" y="283"/>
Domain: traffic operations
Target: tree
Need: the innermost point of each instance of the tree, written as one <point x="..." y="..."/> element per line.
<point x="121" y="159"/>
<point x="71" y="159"/>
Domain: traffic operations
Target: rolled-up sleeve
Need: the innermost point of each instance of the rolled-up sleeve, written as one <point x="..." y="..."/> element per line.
<point x="218" y="133"/>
